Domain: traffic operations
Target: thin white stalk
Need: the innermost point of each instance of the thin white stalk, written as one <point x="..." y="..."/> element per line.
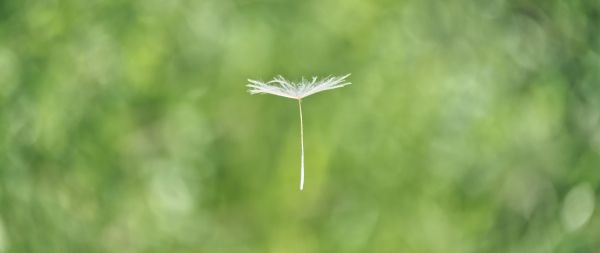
<point x="301" y="146"/>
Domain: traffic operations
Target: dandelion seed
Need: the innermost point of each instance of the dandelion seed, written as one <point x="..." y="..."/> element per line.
<point x="279" y="86"/>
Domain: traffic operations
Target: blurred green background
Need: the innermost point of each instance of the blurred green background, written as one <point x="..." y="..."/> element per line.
<point x="470" y="126"/>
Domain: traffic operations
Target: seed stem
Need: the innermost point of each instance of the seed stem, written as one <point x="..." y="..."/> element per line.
<point x="301" y="146"/>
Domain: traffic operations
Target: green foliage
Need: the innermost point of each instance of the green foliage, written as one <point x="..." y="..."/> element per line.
<point x="471" y="126"/>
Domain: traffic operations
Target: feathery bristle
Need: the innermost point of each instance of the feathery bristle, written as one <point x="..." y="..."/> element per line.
<point x="279" y="86"/>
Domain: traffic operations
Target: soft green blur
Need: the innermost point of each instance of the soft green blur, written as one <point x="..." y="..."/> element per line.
<point x="470" y="126"/>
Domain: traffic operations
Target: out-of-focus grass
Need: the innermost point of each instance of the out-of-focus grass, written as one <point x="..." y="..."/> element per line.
<point x="469" y="127"/>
